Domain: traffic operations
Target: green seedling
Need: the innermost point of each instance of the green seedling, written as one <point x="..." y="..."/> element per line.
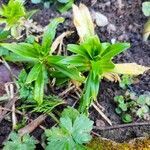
<point x="41" y="60"/>
<point x="143" y="103"/>
<point x="121" y="104"/>
<point x="4" y="35"/>
<point x="13" y="15"/>
<point x="146" y="12"/>
<point x="126" y="81"/>
<point x="130" y="105"/>
<point x="15" y="142"/>
<point x="73" y="131"/>
<point x="126" y="118"/>
<point x="25" y="90"/>
<point x="62" y="5"/>
<point x="94" y="58"/>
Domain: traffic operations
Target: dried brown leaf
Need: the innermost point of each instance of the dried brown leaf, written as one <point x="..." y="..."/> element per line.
<point x="83" y="21"/>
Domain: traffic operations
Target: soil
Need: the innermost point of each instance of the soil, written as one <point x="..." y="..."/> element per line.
<point x="125" y="24"/>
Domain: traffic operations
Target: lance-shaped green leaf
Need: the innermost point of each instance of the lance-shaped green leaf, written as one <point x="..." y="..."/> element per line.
<point x="34" y="73"/>
<point x="49" y="33"/>
<point x="70" y="72"/>
<point x="17" y="58"/>
<point x="90" y="92"/>
<point x="92" y="46"/>
<point x="114" y="50"/>
<point x="22" y="49"/>
<point x="75" y="60"/>
<point x="77" y="49"/>
<point x="39" y="86"/>
<point x="65" y="5"/>
<point x="4" y="34"/>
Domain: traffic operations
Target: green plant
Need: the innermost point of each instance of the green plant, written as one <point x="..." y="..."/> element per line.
<point x="94" y="58"/>
<point x="146" y="11"/>
<point x="130" y="105"/>
<point x="122" y="109"/>
<point x="143" y="103"/>
<point x="73" y="131"/>
<point x="15" y="142"/>
<point x="13" y="16"/>
<point x="26" y="95"/>
<point x="126" y="81"/>
<point x="25" y="90"/>
<point x="40" y="60"/>
<point x="62" y="5"/>
<point x="4" y="35"/>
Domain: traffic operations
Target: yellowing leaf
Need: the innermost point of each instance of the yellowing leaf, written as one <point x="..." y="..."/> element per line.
<point x="130" y="69"/>
<point x="83" y="22"/>
<point x="146" y="32"/>
<point x="113" y="77"/>
<point x="59" y="40"/>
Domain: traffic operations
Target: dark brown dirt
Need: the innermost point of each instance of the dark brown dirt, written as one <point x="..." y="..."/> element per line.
<point x="128" y="23"/>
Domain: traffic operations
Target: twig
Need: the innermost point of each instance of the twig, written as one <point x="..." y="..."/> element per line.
<point x="53" y="117"/>
<point x="67" y="90"/>
<point x="101" y="107"/>
<point x="77" y="93"/>
<point x="8" y="106"/>
<point x="32" y="125"/>
<point x="14" y="119"/>
<point x="102" y="114"/>
<point x="16" y="111"/>
<point x="122" y="126"/>
<point x="94" y="133"/>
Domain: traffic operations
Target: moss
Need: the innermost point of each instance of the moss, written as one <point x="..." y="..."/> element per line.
<point x="104" y="144"/>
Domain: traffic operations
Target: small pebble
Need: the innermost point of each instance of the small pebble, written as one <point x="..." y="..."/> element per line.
<point x="111" y="28"/>
<point x="100" y="123"/>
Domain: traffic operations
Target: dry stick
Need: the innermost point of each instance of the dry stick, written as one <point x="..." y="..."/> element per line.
<point x="101" y="107"/>
<point x="16" y="111"/>
<point x="14" y="118"/>
<point x="122" y="126"/>
<point x="94" y="133"/>
<point x="67" y="90"/>
<point x="7" y="106"/>
<point x="20" y="113"/>
<point x="32" y="125"/>
<point x="102" y="114"/>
